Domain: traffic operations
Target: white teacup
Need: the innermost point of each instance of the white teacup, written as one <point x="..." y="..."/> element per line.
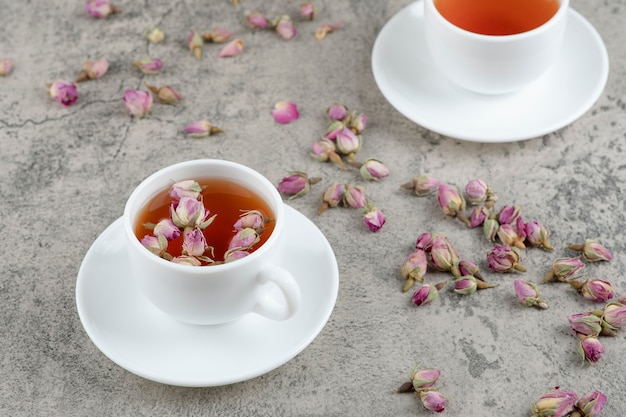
<point x="493" y="64"/>
<point x="220" y="293"/>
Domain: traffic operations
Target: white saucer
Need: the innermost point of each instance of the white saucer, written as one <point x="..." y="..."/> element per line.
<point x="409" y="81"/>
<point x="123" y="324"/>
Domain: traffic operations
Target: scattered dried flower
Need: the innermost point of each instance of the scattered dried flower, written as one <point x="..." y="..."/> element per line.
<point x="137" y="102"/>
<point x="325" y="150"/>
<point x="591" y="404"/>
<point x="527" y="294"/>
<point x="325" y="29"/>
<point x="587" y="324"/>
<point x="590" y="348"/>
<point x="425" y="294"/>
<point x="296" y="184"/>
<point x="564" y="269"/>
<point x="285" y="28"/>
<point x="509" y="235"/>
<point x="334" y="128"/>
<point x="478" y="216"/>
<point x="509" y="214"/>
<point x="308" y="10"/>
<point x="443" y="256"/>
<point x="354" y="196"/>
<point x="348" y="143"/>
<point x="285" y="112"/>
<point x="374" y="219"/>
<point x="503" y="258"/>
<point x="337" y="111"/>
<point x="64" y="92"/>
<point x="614" y="315"/>
<point x="232" y="48"/>
<point x="358" y="123"/>
<point x="414" y="268"/>
<point x="6" y="65"/>
<point x="93" y="70"/>
<point x="331" y="197"/>
<point x="373" y="169"/>
<point x="165" y="94"/>
<point x="433" y="401"/>
<point x="424" y="379"/>
<point x="257" y="20"/>
<point x="490" y="228"/>
<point x="592" y="251"/>
<point x="596" y="290"/>
<point x="537" y="235"/>
<point x="477" y="191"/>
<point x="555" y="403"/>
<point x="423" y="185"/>
<point x="148" y="65"/>
<point x="195" y="43"/>
<point x="452" y="202"/>
<point x="100" y="8"/>
<point x="217" y="35"/>
<point x="154" y="35"/>
<point x="469" y="268"/>
<point x="201" y="129"/>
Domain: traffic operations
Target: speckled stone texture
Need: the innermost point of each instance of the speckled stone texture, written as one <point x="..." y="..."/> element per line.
<point x="65" y="174"/>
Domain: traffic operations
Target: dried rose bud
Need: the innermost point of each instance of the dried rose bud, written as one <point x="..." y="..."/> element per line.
<point x="93" y="69"/>
<point x="325" y="150"/>
<point x="590" y="348"/>
<point x="185" y="188"/>
<point x="508" y="214"/>
<point x="555" y="403"/>
<point x="478" y="216"/>
<point x="587" y="324"/>
<point x="592" y="251"/>
<point x="373" y="169"/>
<point x="187" y="260"/>
<point x="201" y="129"/>
<point x="334" y="129"/>
<point x="154" y="35"/>
<point x="285" y="112"/>
<point x="424" y="378"/>
<point x="425" y="241"/>
<point x="244" y="239"/>
<point x="425" y="294"/>
<point x="490" y="228"/>
<point x="503" y="258"/>
<point x="195" y="43"/>
<point x="414" y="268"/>
<point x="452" y="202"/>
<point x="156" y="244"/>
<point x="348" y="143"/>
<point x="194" y="243"/>
<point x="138" y="103"/>
<point x="217" y="35"/>
<point x="591" y="404"/>
<point x="64" y="92"/>
<point x="358" y="123"/>
<point x="374" y="219"/>
<point x="465" y="285"/>
<point x="307" y="10"/>
<point x="615" y="315"/>
<point x="470" y="268"/>
<point x="100" y="8"/>
<point x="564" y="269"/>
<point x="595" y="290"/>
<point x="233" y="255"/>
<point x="285" y="28"/>
<point x="296" y="184"/>
<point x="6" y="65"/>
<point x="188" y="212"/>
<point x="165" y="94"/>
<point x="537" y="235"/>
<point x="325" y="29"/>
<point x="433" y="401"/>
<point x="337" y="111"/>
<point x="331" y="197"/>
<point x="527" y="294"/>
<point x="354" y="196"/>
<point x="257" y="20"/>
<point x="622" y="299"/>
<point x="148" y="65"/>
<point x="476" y="191"/>
<point x="167" y="228"/>
<point x="252" y="219"/>
<point x="508" y="235"/>
<point x="423" y="185"/>
<point x="232" y="48"/>
<point x="443" y="256"/>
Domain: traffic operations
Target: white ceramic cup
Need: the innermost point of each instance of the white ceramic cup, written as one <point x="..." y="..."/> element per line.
<point x="220" y="293"/>
<point x="493" y="64"/>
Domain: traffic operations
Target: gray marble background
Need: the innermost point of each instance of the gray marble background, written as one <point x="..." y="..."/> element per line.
<point x="65" y="174"/>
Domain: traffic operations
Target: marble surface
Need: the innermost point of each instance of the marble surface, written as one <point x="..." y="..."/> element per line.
<point x="65" y="174"/>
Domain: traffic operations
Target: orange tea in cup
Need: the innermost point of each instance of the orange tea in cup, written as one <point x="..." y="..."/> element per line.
<point x="497" y="17"/>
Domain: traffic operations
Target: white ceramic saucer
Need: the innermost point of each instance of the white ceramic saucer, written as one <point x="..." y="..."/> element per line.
<point x="123" y="324"/>
<point x="410" y="82"/>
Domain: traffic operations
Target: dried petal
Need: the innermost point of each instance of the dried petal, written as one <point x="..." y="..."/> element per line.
<point x="232" y="48"/>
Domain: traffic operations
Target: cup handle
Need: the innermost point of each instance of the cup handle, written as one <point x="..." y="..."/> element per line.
<point x="267" y="305"/>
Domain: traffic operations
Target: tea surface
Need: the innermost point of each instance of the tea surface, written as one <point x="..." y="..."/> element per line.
<point x="497" y="17"/>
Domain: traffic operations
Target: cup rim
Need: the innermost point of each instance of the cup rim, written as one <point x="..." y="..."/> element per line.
<point x="205" y="269"/>
<point x="563" y="9"/>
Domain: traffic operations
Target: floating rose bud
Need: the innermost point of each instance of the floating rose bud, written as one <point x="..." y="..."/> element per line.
<point x="325" y="150"/>
<point x="156" y="244"/>
<point x="64" y="92"/>
<point x="186" y="188"/>
<point x="556" y="403"/>
<point x="337" y="111"/>
<point x="564" y="269"/>
<point x="93" y="70"/>
<point x="187" y="260"/>
<point x="508" y="214"/>
<point x="503" y="258"/>
<point x="217" y="35"/>
<point x="476" y="191"/>
<point x="591" y="404"/>
<point x="423" y="185"/>
<point x="165" y="94"/>
<point x="527" y="294"/>
<point x="587" y="324"/>
<point x="374" y="219"/>
<point x="331" y="197"/>
<point x="232" y="48"/>
<point x="233" y="255"/>
<point x="285" y="28"/>
<point x="426" y="293"/>
<point x="615" y="315"/>
<point x="194" y="243"/>
<point x="296" y="184"/>
<point x="154" y="35"/>
<point x="354" y="196"/>
<point x="348" y="143"/>
<point x="443" y="256"/>
<point x="195" y="43"/>
<point x="6" y="65"/>
<point x="244" y="239"/>
<point x="285" y="112"/>
<point x="423" y="379"/>
<point x="148" y="65"/>
<point x="167" y="228"/>
<point x="433" y="401"/>
<point x="508" y="235"/>
<point x="257" y="20"/>
<point x="537" y="235"/>
<point x="307" y="10"/>
<point x="100" y="8"/>
<point x="414" y="268"/>
<point x="490" y="228"/>
<point x="358" y="123"/>
<point x="138" y="103"/>
<point x="201" y="129"/>
<point x="325" y="29"/>
<point x="252" y="219"/>
<point x="590" y="348"/>
<point x="469" y="268"/>
<point x="452" y="203"/>
<point x="594" y="290"/>
<point x="592" y="251"/>
<point x="188" y="212"/>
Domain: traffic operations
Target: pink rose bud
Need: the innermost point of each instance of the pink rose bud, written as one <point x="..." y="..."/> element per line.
<point x="433" y="401"/>
<point x="564" y="269"/>
<point x="295" y="185"/>
<point x="615" y="315"/>
<point x="232" y="48"/>
<point x="537" y="235"/>
<point x="585" y="323"/>
<point x="233" y="255"/>
<point x="452" y="203"/>
<point x="194" y="243"/>
<point x="155" y="244"/>
<point x="285" y="28"/>
<point x="167" y="228"/>
<point x="469" y="268"/>
<point x="186" y="188"/>
<point x="423" y="185"/>
<point x="593" y="251"/>
<point x="443" y="256"/>
<point x="591" y="404"/>
<point x="373" y="169"/>
<point x="307" y="10"/>
<point x="348" y="143"/>
<point x="165" y="94"/>
<point x="217" y="35"/>
<point x="556" y="403"/>
<point x="527" y="294"/>
<point x="354" y="196"/>
<point x="325" y="150"/>
<point x="425" y="241"/>
<point x="257" y="20"/>
<point x="201" y="129"/>
<point x="195" y="43"/>
<point x="188" y="212"/>
<point x="6" y="65"/>
<point x="187" y="260"/>
<point x="424" y="378"/>
<point x="333" y="130"/>
<point x="252" y="219"/>
<point x="503" y="258"/>
<point x="622" y="299"/>
<point x="508" y="214"/>
<point x="490" y="228"/>
<point x="100" y="8"/>
<point x="93" y="70"/>
<point x="244" y="239"/>
<point x="478" y="216"/>
<point x="476" y="191"/>
<point x="285" y="112"/>
<point x="414" y="268"/>
<point x="331" y="197"/>
<point x="597" y="290"/>
<point x="358" y="123"/>
<point x="148" y="65"/>
<point x="325" y="29"/>
<point x="465" y="285"/>
<point x="590" y="348"/>
<point x="64" y="92"/>
<point x="154" y="35"/>
<point x="337" y="111"/>
<point x="374" y="219"/>
<point x="425" y="294"/>
<point x="138" y="103"/>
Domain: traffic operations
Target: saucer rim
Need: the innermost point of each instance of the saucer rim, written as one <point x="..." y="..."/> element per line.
<point x="503" y="135"/>
<point x="303" y="341"/>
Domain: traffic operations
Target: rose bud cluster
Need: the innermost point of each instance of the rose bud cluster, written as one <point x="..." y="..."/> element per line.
<point x="422" y="383"/>
<point x="565" y="403"/>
